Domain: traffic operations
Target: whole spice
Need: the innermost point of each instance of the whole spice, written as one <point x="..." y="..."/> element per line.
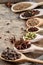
<point x="29" y="36"/>
<point x="21" y="44"/>
<point x="33" y="29"/>
<point x="8" y="31"/>
<point x="0" y="37"/>
<point x="7" y="23"/>
<point x="8" y="4"/>
<point x="30" y="13"/>
<point x="10" y="54"/>
<point x="13" y="40"/>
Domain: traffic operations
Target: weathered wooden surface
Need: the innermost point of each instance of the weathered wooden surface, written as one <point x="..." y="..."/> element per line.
<point x="14" y="28"/>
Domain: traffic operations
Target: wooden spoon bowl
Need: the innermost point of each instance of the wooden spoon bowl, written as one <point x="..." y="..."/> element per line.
<point x="39" y="20"/>
<point x="33" y="5"/>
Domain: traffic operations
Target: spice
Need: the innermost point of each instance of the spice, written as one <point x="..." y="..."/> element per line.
<point x="8" y="31"/>
<point x="29" y="36"/>
<point x="21" y="44"/>
<point x="33" y="29"/>
<point x="0" y="37"/>
<point x="7" y="23"/>
<point x="8" y="4"/>
<point x="10" y="54"/>
<point x="30" y="13"/>
<point x="32" y="22"/>
<point x="13" y="39"/>
<point x="23" y="29"/>
<point x="21" y="6"/>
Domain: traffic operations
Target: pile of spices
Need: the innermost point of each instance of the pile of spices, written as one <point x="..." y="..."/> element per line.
<point x="21" y="44"/>
<point x="29" y="36"/>
<point x="30" y="13"/>
<point x="33" y="29"/>
<point x="10" y="54"/>
<point x="32" y="22"/>
<point x="21" y="6"/>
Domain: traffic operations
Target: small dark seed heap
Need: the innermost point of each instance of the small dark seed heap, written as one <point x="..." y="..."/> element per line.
<point x="10" y="54"/>
<point x="12" y="40"/>
<point x="33" y="29"/>
<point x="21" y="44"/>
<point x="8" y="4"/>
<point x="30" y="13"/>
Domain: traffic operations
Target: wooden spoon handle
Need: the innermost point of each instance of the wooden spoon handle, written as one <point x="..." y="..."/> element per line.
<point x="40" y="24"/>
<point x="40" y="3"/>
<point x="39" y="48"/>
<point x="34" y="60"/>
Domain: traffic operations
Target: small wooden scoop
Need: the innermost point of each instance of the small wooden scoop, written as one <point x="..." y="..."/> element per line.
<point x="23" y="58"/>
<point x="32" y="48"/>
<point x="37" y="38"/>
<point x="39" y="24"/>
<point x="38" y="29"/>
<point x="39" y="14"/>
<point x="33" y="5"/>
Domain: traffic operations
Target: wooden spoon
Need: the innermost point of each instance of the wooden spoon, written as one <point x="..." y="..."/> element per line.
<point x="32" y="48"/>
<point x="39" y="14"/>
<point x="23" y="58"/>
<point x="37" y="29"/>
<point x="33" y="5"/>
<point x="37" y="38"/>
